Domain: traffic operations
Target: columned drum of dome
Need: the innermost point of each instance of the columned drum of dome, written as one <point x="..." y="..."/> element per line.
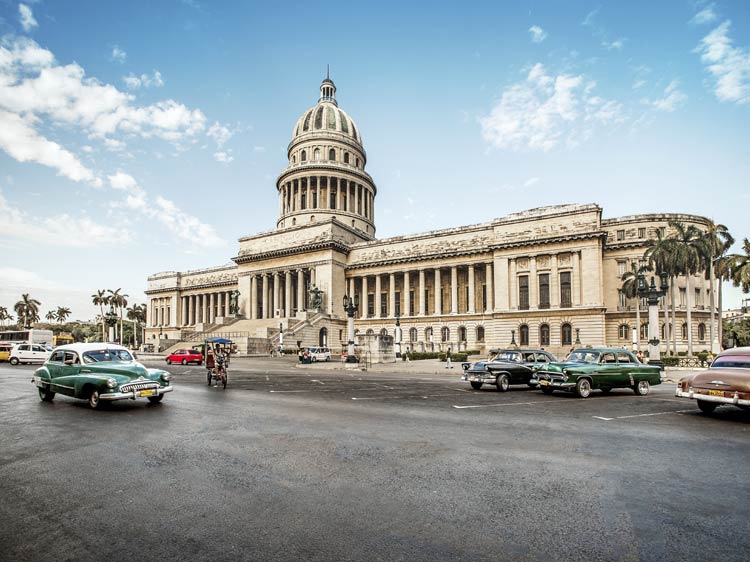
<point x="326" y="175"/>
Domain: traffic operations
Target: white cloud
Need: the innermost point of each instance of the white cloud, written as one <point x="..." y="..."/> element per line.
<point x="133" y="82"/>
<point x="617" y="44"/>
<point x="542" y="111"/>
<point x="118" y="55"/>
<point x="706" y="15"/>
<point x="223" y="157"/>
<point x="220" y="133"/>
<point x="259" y="149"/>
<point x="26" y="17"/>
<point x="537" y="34"/>
<point x="671" y="99"/>
<point x="729" y="65"/>
<point x="61" y="230"/>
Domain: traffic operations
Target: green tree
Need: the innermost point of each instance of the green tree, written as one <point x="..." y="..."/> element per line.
<point x="100" y="299"/>
<point x="27" y="310"/>
<point x="119" y="301"/>
<point x="630" y="290"/>
<point x="739" y="267"/>
<point x="4" y="315"/>
<point x="62" y="313"/>
<point x="688" y="248"/>
<point x="715" y="242"/>
<point x="137" y="314"/>
<point x="660" y="254"/>
<point x="50" y="316"/>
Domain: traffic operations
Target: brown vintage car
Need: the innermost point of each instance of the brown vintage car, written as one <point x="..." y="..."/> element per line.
<point x="727" y="381"/>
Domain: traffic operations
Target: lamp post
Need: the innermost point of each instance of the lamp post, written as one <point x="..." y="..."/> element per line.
<point x="513" y="337"/>
<point x="397" y="336"/>
<point x="350" y="307"/>
<point x="110" y="319"/>
<point x="578" y="336"/>
<point x="652" y="294"/>
<point x="281" y="337"/>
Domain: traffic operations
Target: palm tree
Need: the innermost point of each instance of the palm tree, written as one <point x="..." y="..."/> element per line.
<point x="687" y="260"/>
<point x="722" y="270"/>
<point x="62" y="313"/>
<point x="119" y="301"/>
<point x="137" y="314"/>
<point x="715" y="242"/>
<point x="27" y="310"/>
<point x="100" y="298"/>
<point x="50" y="316"/>
<point x="630" y="290"/>
<point x="660" y="254"/>
<point x="4" y="316"/>
<point x="740" y="267"/>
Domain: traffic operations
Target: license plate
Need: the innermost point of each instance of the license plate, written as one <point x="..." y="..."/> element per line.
<point x="544" y="382"/>
<point x="143" y="393"/>
<point x="716" y="393"/>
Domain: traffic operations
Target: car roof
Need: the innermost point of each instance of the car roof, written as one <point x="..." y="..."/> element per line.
<point x="735" y="351"/>
<point x="603" y="349"/>
<point x="519" y="349"/>
<point x="83" y="347"/>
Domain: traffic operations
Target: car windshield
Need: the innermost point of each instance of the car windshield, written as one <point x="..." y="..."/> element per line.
<point x="510" y="356"/>
<point x="584" y="357"/>
<point x="732" y="361"/>
<point x="107" y="355"/>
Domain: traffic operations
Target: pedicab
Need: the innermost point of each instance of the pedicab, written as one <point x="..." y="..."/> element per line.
<point x="217" y="352"/>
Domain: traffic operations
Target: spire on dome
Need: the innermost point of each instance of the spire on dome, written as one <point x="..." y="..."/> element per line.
<point x="328" y="88"/>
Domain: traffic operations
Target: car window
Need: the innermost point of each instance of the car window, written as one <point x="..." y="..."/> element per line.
<point x="38" y="348"/>
<point x="608" y="358"/>
<point x="57" y="357"/>
<point x="624" y="358"/>
<point x="71" y="356"/>
<point x="732" y="361"/>
<point x="584" y="357"/>
<point x="541" y="358"/>
<point x="23" y="348"/>
<point x="511" y="356"/>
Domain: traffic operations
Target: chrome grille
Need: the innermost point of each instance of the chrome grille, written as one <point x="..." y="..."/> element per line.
<point x="138" y="385"/>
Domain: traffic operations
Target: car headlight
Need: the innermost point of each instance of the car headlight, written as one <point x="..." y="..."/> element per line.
<point x="111" y="383"/>
<point x="165" y="377"/>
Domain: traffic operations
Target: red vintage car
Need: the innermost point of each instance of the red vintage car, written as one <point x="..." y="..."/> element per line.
<point x="185" y="356"/>
<point x="727" y="381"/>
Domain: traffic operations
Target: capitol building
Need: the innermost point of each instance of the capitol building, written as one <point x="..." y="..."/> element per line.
<point x="547" y="277"/>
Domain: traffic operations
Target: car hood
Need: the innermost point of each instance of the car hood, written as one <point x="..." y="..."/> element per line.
<point x="558" y="367"/>
<point x="736" y="379"/>
<point x="123" y="370"/>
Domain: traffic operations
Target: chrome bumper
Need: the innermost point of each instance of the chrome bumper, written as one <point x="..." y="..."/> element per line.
<point x="479" y="376"/>
<point x="734" y="400"/>
<point x="541" y="383"/>
<point x="109" y="396"/>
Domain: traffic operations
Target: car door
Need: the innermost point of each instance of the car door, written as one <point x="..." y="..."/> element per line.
<point x="608" y="373"/>
<point x="38" y="354"/>
<point x="627" y="369"/>
<point x="68" y="373"/>
<point x="24" y="353"/>
<point x="54" y="363"/>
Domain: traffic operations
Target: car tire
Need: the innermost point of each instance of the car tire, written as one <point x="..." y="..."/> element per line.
<point x="155" y="399"/>
<point x="169" y="361"/>
<point x="706" y="407"/>
<point x="184" y="361"/>
<point x="313" y="359"/>
<point x="583" y="388"/>
<point x="503" y="382"/>
<point x="14" y="360"/>
<point x="547" y="389"/>
<point x="200" y="363"/>
<point x="95" y="400"/>
<point x="476" y="385"/>
<point x="642" y="388"/>
<point x="46" y="395"/>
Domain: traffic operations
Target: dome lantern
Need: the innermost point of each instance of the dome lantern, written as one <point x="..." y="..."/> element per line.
<point x="328" y="89"/>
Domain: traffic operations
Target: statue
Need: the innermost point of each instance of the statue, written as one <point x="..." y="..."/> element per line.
<point x="316" y="298"/>
<point x="234" y="307"/>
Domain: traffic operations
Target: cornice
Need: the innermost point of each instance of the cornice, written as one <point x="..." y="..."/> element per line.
<point x="551" y="240"/>
<point x="281" y="252"/>
<point x="191" y="287"/>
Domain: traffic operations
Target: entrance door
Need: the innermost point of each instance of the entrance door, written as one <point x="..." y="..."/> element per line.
<point x="323" y="337"/>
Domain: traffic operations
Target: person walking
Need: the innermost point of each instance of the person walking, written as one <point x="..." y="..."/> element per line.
<point x="448" y="359"/>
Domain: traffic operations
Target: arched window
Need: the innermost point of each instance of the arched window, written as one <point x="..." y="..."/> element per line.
<point x="370" y="332"/>
<point x="701" y="331"/>
<point x="383" y="332"/>
<point x="316" y="154"/>
<point x="544" y="334"/>
<point x="428" y="334"/>
<point x="462" y="333"/>
<point x="684" y="330"/>
<point x="412" y="334"/>
<point x="303" y="156"/>
<point x="294" y="221"/>
<point x="357" y="164"/>
<point x="623" y="332"/>
<point x="566" y="334"/>
<point x="323" y="337"/>
<point x="294" y="159"/>
<point x="332" y="154"/>
<point x="346" y="157"/>
<point x="445" y="334"/>
<point x="312" y="218"/>
<point x="523" y="334"/>
<point x="480" y="333"/>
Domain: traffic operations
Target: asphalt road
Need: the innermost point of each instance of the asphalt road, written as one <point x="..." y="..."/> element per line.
<point x="316" y="464"/>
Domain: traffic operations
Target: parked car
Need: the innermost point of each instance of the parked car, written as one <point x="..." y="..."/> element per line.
<point x="588" y="369"/>
<point x="29" y="353"/>
<point x="185" y="356"/>
<point x="5" y="349"/>
<point x="506" y="367"/>
<point x="726" y="381"/>
<point x="319" y="354"/>
<point x="99" y="373"/>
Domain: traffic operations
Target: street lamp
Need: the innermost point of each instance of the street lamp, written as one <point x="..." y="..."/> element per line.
<point x="397" y="335"/>
<point x="513" y="337"/>
<point x="350" y="307"/>
<point x="652" y="294"/>
<point x="578" y="336"/>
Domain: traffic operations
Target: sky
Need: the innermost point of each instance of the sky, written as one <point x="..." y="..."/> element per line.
<point x="140" y="137"/>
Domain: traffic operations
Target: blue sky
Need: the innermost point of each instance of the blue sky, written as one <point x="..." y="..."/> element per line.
<point x="138" y="137"/>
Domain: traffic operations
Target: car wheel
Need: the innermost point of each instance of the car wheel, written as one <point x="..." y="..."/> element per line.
<point x="95" y="399"/>
<point x="503" y="382"/>
<point x="706" y="407"/>
<point x="14" y="360"/>
<point x="155" y="399"/>
<point x="200" y="363"/>
<point x="313" y="359"/>
<point x="476" y="385"/>
<point x="169" y="361"/>
<point x="46" y="395"/>
<point x="184" y="361"/>
<point x="642" y="388"/>
<point x="547" y="389"/>
<point x="583" y="388"/>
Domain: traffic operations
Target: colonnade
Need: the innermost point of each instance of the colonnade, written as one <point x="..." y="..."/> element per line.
<point x="279" y="293"/>
<point x="326" y="192"/>
<point x="161" y="311"/>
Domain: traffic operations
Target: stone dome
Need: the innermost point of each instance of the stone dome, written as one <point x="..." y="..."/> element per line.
<point x="326" y="116"/>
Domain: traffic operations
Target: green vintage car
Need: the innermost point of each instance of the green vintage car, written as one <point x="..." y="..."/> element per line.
<point x="99" y="373"/>
<point x="587" y="369"/>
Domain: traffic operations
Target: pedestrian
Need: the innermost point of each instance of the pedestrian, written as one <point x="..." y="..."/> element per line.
<point x="448" y="359"/>
<point x="639" y="356"/>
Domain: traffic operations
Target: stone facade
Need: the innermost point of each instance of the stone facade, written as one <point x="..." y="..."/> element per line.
<point x="547" y="277"/>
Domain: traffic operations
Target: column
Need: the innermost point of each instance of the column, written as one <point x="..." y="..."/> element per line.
<point x="287" y="294"/>
<point x="364" y="297"/>
<point x="211" y="308"/>
<point x="227" y="296"/>
<point x="276" y="294"/>
<point x="204" y="309"/>
<point x="554" y="283"/>
<point x="533" y="284"/>
<point x="254" y="297"/>
<point x="300" y="290"/>
<point x="420" y="296"/>
<point x="351" y="287"/>
<point x="438" y="293"/>
<point x="576" y="281"/>
<point x="377" y="296"/>
<point x="191" y="310"/>
<point x="454" y="290"/>
<point x="407" y="295"/>
<point x="392" y="295"/>
<point x="490" y="285"/>
<point x="472" y="298"/>
<point x="265" y="296"/>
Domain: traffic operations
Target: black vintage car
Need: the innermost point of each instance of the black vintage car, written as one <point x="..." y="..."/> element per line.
<point x="506" y="367"/>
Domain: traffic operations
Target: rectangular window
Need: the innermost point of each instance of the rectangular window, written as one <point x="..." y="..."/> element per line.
<point x="641" y="232"/>
<point x="398" y="303"/>
<point x="683" y="297"/>
<point x="623" y="300"/>
<point x="523" y="292"/>
<point x="466" y="294"/>
<point x="620" y="235"/>
<point x="370" y="305"/>
<point x="383" y="304"/>
<point x="662" y="231"/>
<point x="411" y="303"/>
<point x="484" y="297"/>
<point x="621" y="268"/>
<point x="565" y="291"/>
<point x="544" y="290"/>
<point x="698" y="297"/>
<point x="332" y="203"/>
<point x="426" y="301"/>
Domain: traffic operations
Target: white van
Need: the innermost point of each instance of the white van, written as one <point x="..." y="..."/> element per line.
<point x="319" y="354"/>
<point x="29" y="353"/>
